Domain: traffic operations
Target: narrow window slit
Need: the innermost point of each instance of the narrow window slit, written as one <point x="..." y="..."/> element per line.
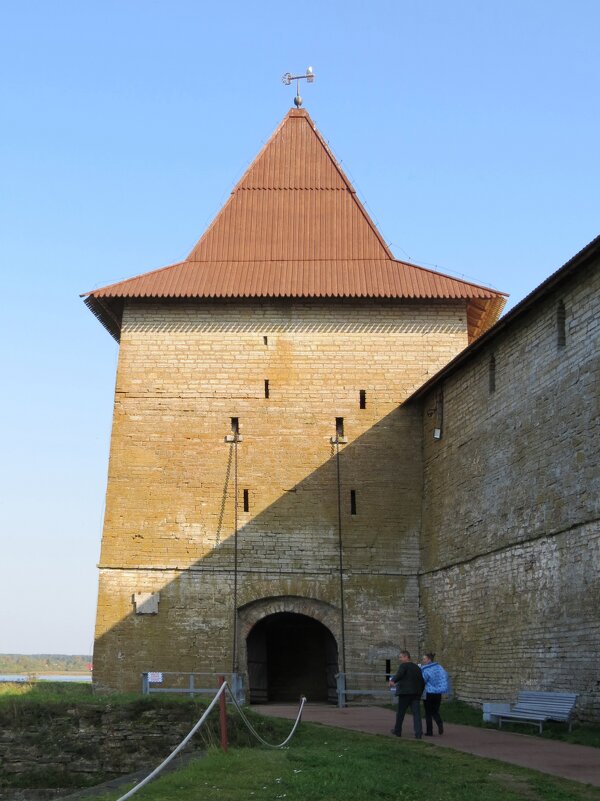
<point x="352" y="502"/>
<point x="439" y="413"/>
<point x="235" y="425"/>
<point x="492" y="374"/>
<point x="339" y="426"/>
<point x="561" y="327"/>
<point x="246" y="501"/>
<point x="266" y="387"/>
<point x="362" y="396"/>
<point x="265" y="340"/>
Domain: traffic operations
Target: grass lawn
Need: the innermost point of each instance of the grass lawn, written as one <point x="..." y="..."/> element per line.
<point x="326" y="764"/>
<point x="452" y="711"/>
<point x="323" y="764"/>
<point x="51" y="692"/>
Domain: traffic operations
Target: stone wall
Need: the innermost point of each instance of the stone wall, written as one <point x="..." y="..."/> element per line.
<point x="510" y="545"/>
<point x="184" y="372"/>
<point x="81" y="745"/>
<point x="87" y="744"/>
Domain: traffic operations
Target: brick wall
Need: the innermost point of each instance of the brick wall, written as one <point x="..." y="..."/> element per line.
<point x="510" y="543"/>
<point x="184" y="371"/>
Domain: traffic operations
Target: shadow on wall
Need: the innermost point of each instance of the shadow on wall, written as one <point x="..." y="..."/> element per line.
<point x="269" y="602"/>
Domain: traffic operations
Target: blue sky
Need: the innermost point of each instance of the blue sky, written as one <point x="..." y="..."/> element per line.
<point x="471" y="131"/>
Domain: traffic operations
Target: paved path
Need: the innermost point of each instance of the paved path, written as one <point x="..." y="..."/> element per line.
<point x="578" y="762"/>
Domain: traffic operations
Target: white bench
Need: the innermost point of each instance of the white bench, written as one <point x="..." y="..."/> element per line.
<point x="537" y="707"/>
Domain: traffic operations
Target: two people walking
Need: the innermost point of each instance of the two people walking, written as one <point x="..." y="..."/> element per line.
<point x="412" y="682"/>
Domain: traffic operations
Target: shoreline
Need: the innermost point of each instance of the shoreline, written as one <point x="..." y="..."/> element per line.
<point x="31" y="676"/>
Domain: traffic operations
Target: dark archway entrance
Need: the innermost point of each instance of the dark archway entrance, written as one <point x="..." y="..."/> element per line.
<point x="290" y="655"/>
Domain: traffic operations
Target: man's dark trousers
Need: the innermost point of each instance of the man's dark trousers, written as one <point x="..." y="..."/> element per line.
<point x="412" y="701"/>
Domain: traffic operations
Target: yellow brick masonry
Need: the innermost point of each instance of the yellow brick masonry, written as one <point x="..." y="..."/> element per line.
<point x="184" y="371"/>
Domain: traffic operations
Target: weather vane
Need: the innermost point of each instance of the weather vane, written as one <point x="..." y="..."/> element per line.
<point x="288" y="78"/>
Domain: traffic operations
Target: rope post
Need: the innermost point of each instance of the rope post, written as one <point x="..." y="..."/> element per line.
<point x="223" y="717"/>
<point x="218" y="697"/>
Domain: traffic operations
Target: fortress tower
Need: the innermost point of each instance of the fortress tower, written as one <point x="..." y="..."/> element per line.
<point x="264" y="491"/>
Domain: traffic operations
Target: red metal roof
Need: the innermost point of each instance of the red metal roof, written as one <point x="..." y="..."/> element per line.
<point x="280" y="278"/>
<point x="294" y="227"/>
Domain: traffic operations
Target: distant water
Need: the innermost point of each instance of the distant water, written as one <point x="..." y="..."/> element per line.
<point x="64" y="677"/>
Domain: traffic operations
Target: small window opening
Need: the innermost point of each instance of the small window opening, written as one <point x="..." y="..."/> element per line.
<point x="266" y="340"/>
<point x="235" y="425"/>
<point x="246" y="501"/>
<point x="352" y="502"/>
<point x="561" y="327"/>
<point x="492" y="374"/>
<point x="266" y="387"/>
<point x="339" y="426"/>
<point x="362" y="398"/>
<point x="438" y="411"/>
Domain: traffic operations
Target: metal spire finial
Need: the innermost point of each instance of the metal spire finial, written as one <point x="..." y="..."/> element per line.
<point x="288" y="78"/>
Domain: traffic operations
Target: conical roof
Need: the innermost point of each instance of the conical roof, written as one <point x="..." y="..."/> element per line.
<point x="293" y="203"/>
<point x="294" y="227"/>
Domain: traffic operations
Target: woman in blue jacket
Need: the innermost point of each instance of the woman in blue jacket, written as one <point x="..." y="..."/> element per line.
<point x="436" y="683"/>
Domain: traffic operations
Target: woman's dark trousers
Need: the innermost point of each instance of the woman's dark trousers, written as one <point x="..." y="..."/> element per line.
<point x="405" y="701"/>
<point x="432" y="703"/>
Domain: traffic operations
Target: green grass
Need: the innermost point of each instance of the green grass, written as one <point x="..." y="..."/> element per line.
<point x="81" y="693"/>
<point x="46" y="692"/>
<point x="326" y="764"/>
<point x="321" y="764"/>
<point x="47" y="717"/>
<point x="459" y="712"/>
<point x="23" y="703"/>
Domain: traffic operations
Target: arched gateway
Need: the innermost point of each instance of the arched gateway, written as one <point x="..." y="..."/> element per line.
<point x="289" y="650"/>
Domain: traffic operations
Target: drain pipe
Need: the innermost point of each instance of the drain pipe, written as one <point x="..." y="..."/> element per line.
<point x="233" y="439"/>
<point x="234" y="667"/>
<point x="339" y="437"/>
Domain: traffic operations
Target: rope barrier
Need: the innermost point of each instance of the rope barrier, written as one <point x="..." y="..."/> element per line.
<point x="197" y="726"/>
<point x="257" y="735"/>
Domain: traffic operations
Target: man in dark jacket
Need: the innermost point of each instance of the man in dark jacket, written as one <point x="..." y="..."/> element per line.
<point x="409" y="685"/>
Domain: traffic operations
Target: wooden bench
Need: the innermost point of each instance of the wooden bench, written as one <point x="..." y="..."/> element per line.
<point x="536" y="708"/>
